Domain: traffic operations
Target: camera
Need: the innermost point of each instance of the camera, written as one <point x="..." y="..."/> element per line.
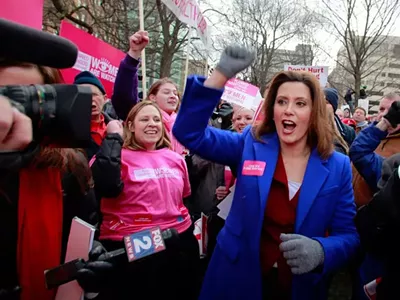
<point x="60" y="113"/>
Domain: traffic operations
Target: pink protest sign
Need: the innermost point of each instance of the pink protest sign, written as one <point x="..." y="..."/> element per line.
<point x="240" y="93"/>
<point x="29" y="13"/>
<point x="94" y="55"/>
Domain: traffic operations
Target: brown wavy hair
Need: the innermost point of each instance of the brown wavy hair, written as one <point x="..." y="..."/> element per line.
<point x="155" y="87"/>
<point x="320" y="133"/>
<point x="336" y="134"/>
<point x="64" y="159"/>
<point x="130" y="141"/>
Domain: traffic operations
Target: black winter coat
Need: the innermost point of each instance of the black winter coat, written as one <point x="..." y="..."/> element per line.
<point x="75" y="204"/>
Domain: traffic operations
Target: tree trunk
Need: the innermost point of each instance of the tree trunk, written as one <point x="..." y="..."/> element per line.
<point x="357" y="85"/>
<point x="166" y="62"/>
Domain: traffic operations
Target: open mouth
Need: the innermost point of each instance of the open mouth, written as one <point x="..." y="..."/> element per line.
<point x="151" y="132"/>
<point x="288" y="126"/>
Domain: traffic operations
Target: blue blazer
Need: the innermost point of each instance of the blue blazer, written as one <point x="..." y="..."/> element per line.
<point x="325" y="204"/>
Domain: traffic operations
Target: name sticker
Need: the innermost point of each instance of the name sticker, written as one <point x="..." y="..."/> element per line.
<point x="253" y="168"/>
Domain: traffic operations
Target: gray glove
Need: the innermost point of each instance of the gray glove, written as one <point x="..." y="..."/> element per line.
<point x="234" y="59"/>
<point x="302" y="254"/>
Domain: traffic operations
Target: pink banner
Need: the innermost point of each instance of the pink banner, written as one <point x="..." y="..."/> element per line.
<point x="95" y="56"/>
<point x="240" y="93"/>
<point x="29" y="13"/>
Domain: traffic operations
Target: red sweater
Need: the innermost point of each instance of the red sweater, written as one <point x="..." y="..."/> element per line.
<point x="280" y="217"/>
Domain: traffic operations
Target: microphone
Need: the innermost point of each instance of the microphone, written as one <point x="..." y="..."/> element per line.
<point x="25" y="44"/>
<point x="137" y="246"/>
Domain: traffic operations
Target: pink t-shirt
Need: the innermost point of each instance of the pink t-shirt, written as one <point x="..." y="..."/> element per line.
<point x="155" y="183"/>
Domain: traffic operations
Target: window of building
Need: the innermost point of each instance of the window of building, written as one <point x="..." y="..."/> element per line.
<point x="393" y="75"/>
<point x="383" y="74"/>
<point x="396" y="51"/>
<point x="395" y="66"/>
<point x="394" y="85"/>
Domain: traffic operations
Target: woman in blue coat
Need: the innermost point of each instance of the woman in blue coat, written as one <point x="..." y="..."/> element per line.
<point x="291" y="222"/>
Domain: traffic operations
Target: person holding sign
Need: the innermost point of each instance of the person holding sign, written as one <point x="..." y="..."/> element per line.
<point x="143" y="184"/>
<point x="291" y="188"/>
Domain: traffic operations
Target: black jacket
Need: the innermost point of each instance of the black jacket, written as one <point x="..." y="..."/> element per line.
<point x="106" y="169"/>
<point x="378" y="224"/>
<point x="75" y="204"/>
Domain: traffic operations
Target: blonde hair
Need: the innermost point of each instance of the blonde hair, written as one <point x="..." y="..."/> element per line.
<point x="130" y="141"/>
<point x="320" y="134"/>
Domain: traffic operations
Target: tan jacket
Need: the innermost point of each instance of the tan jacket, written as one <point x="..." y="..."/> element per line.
<point x="362" y="193"/>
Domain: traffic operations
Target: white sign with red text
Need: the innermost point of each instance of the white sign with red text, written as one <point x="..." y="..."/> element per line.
<point x="188" y="12"/>
<point x="241" y="93"/>
<point x="320" y="72"/>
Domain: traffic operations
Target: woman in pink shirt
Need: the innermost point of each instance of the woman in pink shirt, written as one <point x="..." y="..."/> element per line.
<point x="164" y="92"/>
<point x="143" y="184"/>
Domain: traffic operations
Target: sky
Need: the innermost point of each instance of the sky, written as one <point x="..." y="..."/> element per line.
<point x="329" y="43"/>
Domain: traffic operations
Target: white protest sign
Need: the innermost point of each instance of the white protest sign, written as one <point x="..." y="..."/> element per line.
<point x="240" y="93"/>
<point x="320" y="72"/>
<point x="188" y="12"/>
<point x="364" y="103"/>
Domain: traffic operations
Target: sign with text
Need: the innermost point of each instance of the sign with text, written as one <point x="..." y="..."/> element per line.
<point x="28" y="13"/>
<point x="240" y="93"/>
<point x="144" y="243"/>
<point x="188" y="12"/>
<point x="320" y="72"/>
<point x="94" y="56"/>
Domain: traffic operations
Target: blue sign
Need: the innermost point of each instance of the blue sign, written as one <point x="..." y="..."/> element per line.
<point x="144" y="243"/>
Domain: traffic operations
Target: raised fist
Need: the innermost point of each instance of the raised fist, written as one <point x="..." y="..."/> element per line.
<point x="393" y="115"/>
<point x="235" y="59"/>
<point x="115" y="126"/>
<point x="137" y="43"/>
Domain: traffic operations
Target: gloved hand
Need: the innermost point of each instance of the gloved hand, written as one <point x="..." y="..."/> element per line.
<point x="302" y="254"/>
<point x="393" y="115"/>
<point x="234" y="59"/>
<point x="96" y="275"/>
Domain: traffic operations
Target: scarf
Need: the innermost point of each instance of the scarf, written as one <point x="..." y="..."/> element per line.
<point x="98" y="130"/>
<point x="362" y="124"/>
<point x="40" y="217"/>
<point x="168" y="121"/>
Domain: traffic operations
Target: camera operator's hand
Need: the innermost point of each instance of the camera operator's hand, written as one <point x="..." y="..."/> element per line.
<point x="115" y="127"/>
<point x="234" y="59"/>
<point x="393" y="115"/>
<point x="137" y="43"/>
<point x="15" y="128"/>
<point x="96" y="275"/>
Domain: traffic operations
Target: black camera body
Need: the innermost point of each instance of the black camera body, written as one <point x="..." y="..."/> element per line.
<point x="60" y="113"/>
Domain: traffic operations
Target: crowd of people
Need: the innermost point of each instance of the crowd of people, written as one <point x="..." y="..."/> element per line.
<point x="315" y="188"/>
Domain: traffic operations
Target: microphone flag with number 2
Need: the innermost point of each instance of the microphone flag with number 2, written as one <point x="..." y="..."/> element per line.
<point x="144" y="243"/>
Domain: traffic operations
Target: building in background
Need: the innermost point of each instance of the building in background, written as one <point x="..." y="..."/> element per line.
<point x="195" y="67"/>
<point x="302" y="55"/>
<point x="382" y="77"/>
